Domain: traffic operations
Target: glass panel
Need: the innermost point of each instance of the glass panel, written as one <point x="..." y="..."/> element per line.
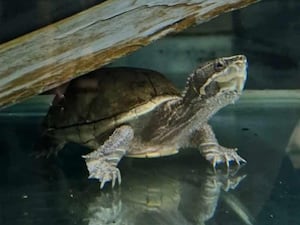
<point x="178" y="189"/>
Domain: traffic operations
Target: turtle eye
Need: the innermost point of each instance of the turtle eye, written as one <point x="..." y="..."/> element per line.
<point x="219" y="65"/>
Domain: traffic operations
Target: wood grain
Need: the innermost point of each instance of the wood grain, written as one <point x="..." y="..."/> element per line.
<point x="88" y="40"/>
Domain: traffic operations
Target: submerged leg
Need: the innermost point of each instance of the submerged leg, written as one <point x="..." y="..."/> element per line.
<point x="47" y="146"/>
<point x="102" y="163"/>
<point x="205" y="140"/>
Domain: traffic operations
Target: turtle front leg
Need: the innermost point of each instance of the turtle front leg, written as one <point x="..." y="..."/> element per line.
<point x="102" y="163"/>
<point x="204" y="139"/>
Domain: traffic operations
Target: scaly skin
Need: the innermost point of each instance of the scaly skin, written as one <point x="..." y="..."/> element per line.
<point x="182" y="123"/>
<point x="204" y="139"/>
<point x="102" y="162"/>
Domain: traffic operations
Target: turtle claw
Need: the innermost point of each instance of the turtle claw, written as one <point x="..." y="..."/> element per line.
<point x="110" y="176"/>
<point x="219" y="154"/>
<point x="104" y="179"/>
<point x="239" y="159"/>
<point x="113" y="181"/>
<point x="116" y="176"/>
<point x="103" y="171"/>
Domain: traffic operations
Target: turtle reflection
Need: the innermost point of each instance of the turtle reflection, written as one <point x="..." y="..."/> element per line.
<point x="159" y="197"/>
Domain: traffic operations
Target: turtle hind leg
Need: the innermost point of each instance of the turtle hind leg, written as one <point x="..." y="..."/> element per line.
<point x="102" y="163"/>
<point x="47" y="146"/>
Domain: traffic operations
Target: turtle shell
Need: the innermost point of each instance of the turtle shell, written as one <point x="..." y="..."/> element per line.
<point x="106" y="93"/>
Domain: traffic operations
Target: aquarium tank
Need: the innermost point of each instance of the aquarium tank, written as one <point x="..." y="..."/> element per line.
<point x="158" y="187"/>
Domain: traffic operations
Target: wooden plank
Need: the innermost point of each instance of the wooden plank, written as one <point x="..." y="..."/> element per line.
<point x="81" y="43"/>
<point x="36" y="14"/>
<point x="223" y="24"/>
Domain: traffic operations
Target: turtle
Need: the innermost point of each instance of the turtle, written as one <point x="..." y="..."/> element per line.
<point x="134" y="112"/>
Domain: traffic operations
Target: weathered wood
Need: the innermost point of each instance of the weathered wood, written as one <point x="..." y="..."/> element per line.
<point x="81" y="43"/>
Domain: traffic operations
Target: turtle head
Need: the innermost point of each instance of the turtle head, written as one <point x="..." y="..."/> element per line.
<point x="221" y="81"/>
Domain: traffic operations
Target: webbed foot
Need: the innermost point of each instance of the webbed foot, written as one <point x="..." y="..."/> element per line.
<point x="217" y="154"/>
<point x="102" y="163"/>
<point x="103" y="171"/>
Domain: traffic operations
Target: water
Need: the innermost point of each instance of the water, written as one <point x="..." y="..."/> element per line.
<point x="180" y="189"/>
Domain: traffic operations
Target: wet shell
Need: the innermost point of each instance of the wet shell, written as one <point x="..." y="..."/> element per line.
<point x="107" y="93"/>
